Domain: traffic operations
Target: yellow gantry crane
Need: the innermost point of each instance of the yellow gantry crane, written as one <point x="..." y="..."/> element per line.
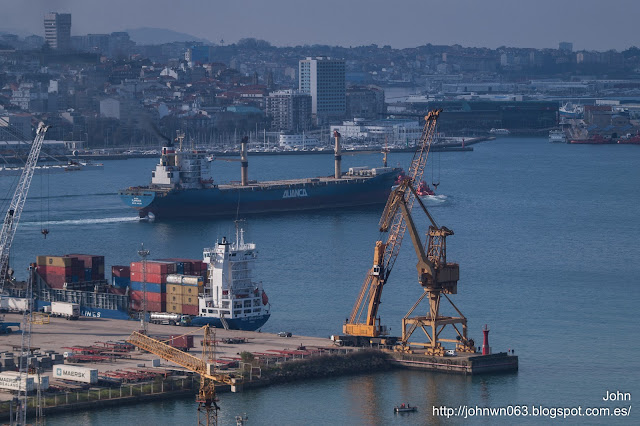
<point x="436" y="276"/>
<point x="206" y="398"/>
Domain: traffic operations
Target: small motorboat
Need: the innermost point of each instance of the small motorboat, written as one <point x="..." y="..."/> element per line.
<point x="404" y="408"/>
<point x="424" y="190"/>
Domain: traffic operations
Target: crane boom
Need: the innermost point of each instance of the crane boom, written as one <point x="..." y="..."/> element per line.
<point x="363" y="320"/>
<point x="177" y="356"/>
<point x="207" y="406"/>
<point x="12" y="218"/>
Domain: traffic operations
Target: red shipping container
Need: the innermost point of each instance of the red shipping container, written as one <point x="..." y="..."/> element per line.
<point x="57" y="270"/>
<point x="151" y="306"/>
<point x="55" y="281"/>
<point x="190" y="309"/>
<point x="181" y="342"/>
<point x="116" y="290"/>
<point x="151" y="297"/>
<point x="120" y="271"/>
<point x="139" y="276"/>
<point x="155" y="267"/>
<point x="89" y="260"/>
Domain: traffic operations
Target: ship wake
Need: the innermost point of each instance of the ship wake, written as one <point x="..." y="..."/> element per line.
<point x="87" y="221"/>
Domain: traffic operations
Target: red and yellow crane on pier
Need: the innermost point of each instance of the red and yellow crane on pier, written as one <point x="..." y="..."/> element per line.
<point x="436" y="276"/>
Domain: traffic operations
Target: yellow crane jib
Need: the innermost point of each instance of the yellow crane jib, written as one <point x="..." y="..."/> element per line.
<point x="183" y="359"/>
<point x="206" y="398"/>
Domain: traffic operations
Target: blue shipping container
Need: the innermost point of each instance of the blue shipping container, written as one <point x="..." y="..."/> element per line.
<point x="121" y="282"/>
<point x="151" y="287"/>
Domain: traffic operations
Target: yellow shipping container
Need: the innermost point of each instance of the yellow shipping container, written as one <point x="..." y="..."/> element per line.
<point x="174" y="308"/>
<point x="190" y="300"/>
<point x="174" y="298"/>
<point x="174" y="289"/>
<point x="60" y="261"/>
<point x="41" y="260"/>
<point x="189" y="290"/>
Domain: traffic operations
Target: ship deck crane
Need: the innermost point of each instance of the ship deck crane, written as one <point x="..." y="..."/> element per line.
<point x="12" y="218"/>
<point x="206" y="398"/>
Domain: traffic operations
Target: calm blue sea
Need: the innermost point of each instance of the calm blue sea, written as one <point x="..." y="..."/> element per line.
<point x="547" y="237"/>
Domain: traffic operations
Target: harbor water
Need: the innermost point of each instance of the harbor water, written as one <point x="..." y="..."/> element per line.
<point x="546" y="235"/>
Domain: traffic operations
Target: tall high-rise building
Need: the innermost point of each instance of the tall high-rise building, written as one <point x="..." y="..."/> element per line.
<point x="57" y="30"/>
<point x="324" y="79"/>
<point x="289" y="110"/>
<point x="566" y="46"/>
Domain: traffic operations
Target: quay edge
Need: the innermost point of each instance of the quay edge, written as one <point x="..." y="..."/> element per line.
<point x="472" y="364"/>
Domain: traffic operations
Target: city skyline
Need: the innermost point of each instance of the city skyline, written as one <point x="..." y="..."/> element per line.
<point x="490" y="24"/>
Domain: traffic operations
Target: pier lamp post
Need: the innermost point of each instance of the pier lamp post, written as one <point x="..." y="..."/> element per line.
<point x="143" y="254"/>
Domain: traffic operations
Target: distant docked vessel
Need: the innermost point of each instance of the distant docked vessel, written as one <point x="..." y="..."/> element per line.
<point x="557" y="136"/>
<point x="594" y="140"/>
<point x="629" y="139"/>
<point x="500" y="132"/>
<point x="179" y="190"/>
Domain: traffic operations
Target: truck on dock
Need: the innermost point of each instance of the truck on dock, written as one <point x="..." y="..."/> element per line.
<point x="167" y="318"/>
<point x="70" y="311"/>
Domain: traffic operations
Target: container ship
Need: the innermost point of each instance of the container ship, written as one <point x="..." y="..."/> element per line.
<point x="218" y="290"/>
<point x="178" y="188"/>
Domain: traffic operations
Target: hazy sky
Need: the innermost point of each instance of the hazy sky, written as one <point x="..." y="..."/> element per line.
<point x="589" y="24"/>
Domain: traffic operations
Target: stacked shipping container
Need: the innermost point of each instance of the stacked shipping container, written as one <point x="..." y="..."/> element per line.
<point x="120" y="279"/>
<point x="182" y="293"/>
<point x="155" y="281"/>
<point x="71" y="268"/>
<point x="178" y="294"/>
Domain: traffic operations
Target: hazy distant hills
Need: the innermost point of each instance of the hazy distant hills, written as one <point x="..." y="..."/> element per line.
<point x="160" y="36"/>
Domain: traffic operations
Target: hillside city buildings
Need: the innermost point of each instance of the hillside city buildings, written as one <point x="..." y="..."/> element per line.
<point x="107" y="91"/>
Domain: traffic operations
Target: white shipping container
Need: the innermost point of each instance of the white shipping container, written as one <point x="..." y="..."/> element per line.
<point x="380" y="170"/>
<point x="10" y="381"/>
<point x="185" y="279"/>
<point x="64" y="309"/>
<point x="18" y="305"/>
<point x="75" y="373"/>
<point x="44" y="380"/>
<point x="14" y="304"/>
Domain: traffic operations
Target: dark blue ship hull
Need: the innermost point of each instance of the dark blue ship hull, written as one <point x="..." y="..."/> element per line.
<point x="269" y="197"/>
<point x="246" y="324"/>
<point x="94" y="312"/>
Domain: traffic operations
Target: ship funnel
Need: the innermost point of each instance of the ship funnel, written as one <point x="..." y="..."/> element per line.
<point x="244" y="163"/>
<point x="337" y="156"/>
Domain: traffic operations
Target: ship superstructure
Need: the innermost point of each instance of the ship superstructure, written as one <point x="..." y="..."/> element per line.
<point x="179" y="167"/>
<point x="230" y="297"/>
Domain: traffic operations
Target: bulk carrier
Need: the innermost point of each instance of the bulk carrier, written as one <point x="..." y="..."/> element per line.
<point x="179" y="190"/>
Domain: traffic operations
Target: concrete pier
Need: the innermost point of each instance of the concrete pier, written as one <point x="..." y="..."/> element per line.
<point x="467" y="364"/>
